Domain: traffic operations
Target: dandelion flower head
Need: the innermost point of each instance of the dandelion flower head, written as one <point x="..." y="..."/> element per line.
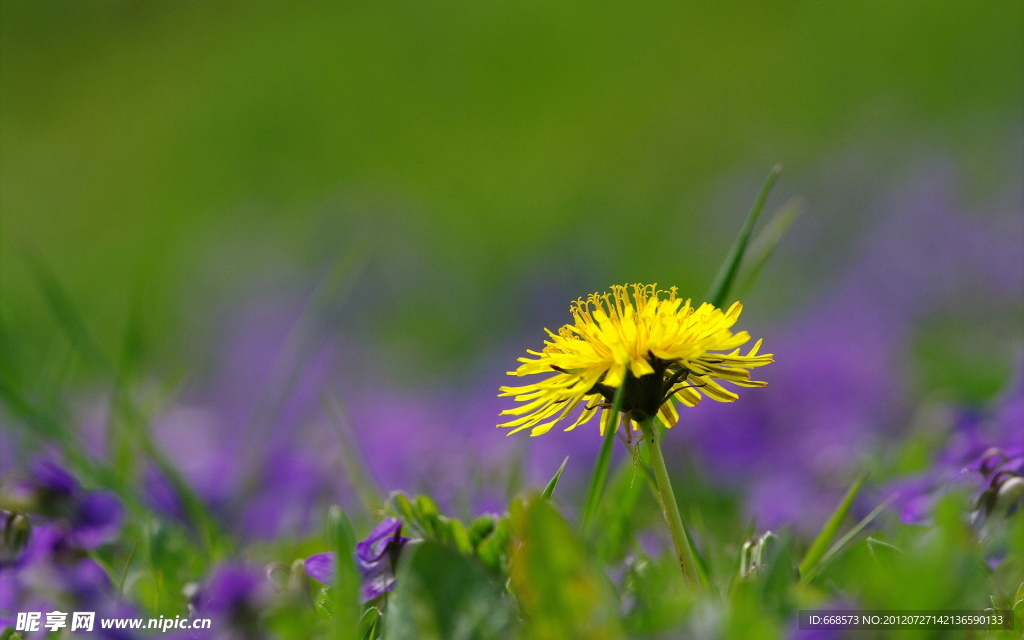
<point x="659" y="345"/>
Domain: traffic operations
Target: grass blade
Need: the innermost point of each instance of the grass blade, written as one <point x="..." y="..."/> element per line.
<point x="351" y="457"/>
<point x="124" y="572"/>
<point x="762" y="247"/>
<point x="300" y="344"/>
<point x="597" y="479"/>
<point x="726" y="276"/>
<point x="550" y="489"/>
<point x="848" y="537"/>
<point x="821" y="544"/>
<point x="65" y="313"/>
<point x="132" y="427"/>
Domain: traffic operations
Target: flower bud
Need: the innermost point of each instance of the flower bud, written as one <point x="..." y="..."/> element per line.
<point x="1010" y="491"/>
<point x="16" y="533"/>
<point x="757" y="553"/>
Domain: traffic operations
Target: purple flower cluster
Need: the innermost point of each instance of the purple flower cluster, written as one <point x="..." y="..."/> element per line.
<point x="842" y="380"/>
<point x="50" y="524"/>
<point x="983" y="457"/>
<point x="90" y="518"/>
<point x="234" y="598"/>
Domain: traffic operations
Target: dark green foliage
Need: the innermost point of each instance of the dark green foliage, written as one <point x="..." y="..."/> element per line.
<point x="443" y="595"/>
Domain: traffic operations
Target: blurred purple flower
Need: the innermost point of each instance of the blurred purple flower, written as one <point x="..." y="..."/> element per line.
<point x="983" y="457"/>
<point x="46" y="564"/>
<point x="250" y="436"/>
<point x="160" y="495"/>
<point x="840" y="383"/>
<point x="54" y="572"/>
<point x="234" y="597"/>
<point x="375" y="557"/>
<point x="92" y="518"/>
<point x="323" y="566"/>
<point x="231" y="588"/>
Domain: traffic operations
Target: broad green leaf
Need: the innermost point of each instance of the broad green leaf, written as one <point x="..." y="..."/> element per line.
<point x="457" y="536"/>
<point x="370" y="624"/>
<point x="344" y="594"/>
<point x="426" y="507"/>
<point x="780" y="574"/>
<point x="492" y="551"/>
<point x="481" y="528"/>
<point x="828" y="533"/>
<point x="561" y="590"/>
<point x="443" y="595"/>
<point x="619" y="514"/>
<point x="721" y="286"/>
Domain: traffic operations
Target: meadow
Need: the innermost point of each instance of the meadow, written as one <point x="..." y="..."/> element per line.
<point x="321" y="321"/>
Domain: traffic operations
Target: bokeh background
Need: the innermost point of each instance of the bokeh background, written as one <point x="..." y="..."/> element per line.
<point x="297" y="225"/>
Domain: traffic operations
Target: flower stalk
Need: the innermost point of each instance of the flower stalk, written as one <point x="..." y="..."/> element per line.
<point x="669" y="506"/>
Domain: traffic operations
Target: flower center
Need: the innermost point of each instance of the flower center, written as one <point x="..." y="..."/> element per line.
<point x="644" y="395"/>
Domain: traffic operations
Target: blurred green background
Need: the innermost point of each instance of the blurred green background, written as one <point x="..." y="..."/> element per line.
<point x="150" y="149"/>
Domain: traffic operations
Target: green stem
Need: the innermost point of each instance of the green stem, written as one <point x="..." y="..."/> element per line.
<point x="669" y="506"/>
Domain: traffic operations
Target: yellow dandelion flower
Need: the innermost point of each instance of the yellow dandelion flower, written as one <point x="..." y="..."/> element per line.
<point x="664" y="349"/>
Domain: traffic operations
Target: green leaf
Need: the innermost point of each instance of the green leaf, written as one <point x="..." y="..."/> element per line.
<point x="718" y="294"/>
<point x="370" y="624"/>
<point x="481" y="528"/>
<point x="560" y="586"/>
<point x="402" y="507"/>
<point x="492" y="551"/>
<point x="426" y="508"/>
<point x="597" y="478"/>
<point x="457" y="536"/>
<point x="344" y="594"/>
<point x="619" y="514"/>
<point x="443" y="595"/>
<point x="550" y="489"/>
<point x="821" y="544"/>
<point x="780" y="574"/>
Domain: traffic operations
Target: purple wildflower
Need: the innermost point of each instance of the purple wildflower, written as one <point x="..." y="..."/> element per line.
<point x="93" y="518"/>
<point x="838" y="387"/>
<point x="161" y="495"/>
<point x="54" y="572"/>
<point x="234" y="597"/>
<point x="375" y="557"/>
<point x="983" y="457"/>
<point x="323" y="566"/>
